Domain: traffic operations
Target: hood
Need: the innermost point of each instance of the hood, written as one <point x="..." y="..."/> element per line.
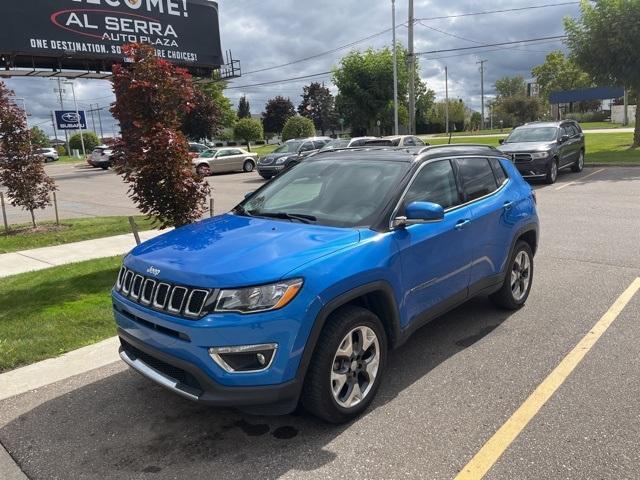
<point x="274" y="156"/>
<point x="526" y="147"/>
<point x="233" y="251"/>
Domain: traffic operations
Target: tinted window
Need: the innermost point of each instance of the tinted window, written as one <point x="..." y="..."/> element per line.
<point x="358" y="143"/>
<point x="567" y="131"/>
<point x="418" y="142"/>
<point x="477" y="177"/>
<point x="409" y="142"/>
<point x="306" y="147"/>
<point x="319" y="144"/>
<point x="532" y="134"/>
<point x="498" y="170"/>
<point x="435" y="183"/>
<point x="235" y="152"/>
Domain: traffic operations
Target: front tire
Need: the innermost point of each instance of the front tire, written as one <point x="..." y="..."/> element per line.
<point x="518" y="280"/>
<point x="347" y="367"/>
<point x="552" y="172"/>
<point x="579" y="165"/>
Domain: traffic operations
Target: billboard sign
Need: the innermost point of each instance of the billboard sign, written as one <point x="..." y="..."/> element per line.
<point x="89" y="34"/>
<point x="70" y="120"/>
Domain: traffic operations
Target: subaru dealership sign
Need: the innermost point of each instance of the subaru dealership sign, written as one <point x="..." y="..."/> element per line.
<point x="89" y="34"/>
<point x="70" y="120"/>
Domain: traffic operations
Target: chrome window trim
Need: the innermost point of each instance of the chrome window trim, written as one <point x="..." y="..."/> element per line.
<point x="143" y="300"/>
<point x="188" y="311"/>
<point x="155" y="296"/>
<point x="455" y="207"/>
<point x="173" y="292"/>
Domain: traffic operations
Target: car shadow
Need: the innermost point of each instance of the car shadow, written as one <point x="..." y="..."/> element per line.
<point x="124" y="426"/>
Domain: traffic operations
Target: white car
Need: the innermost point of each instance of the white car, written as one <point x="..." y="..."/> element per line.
<point x="101" y="157"/>
<point x="49" y="154"/>
<point x="346" y="143"/>
<point x="228" y="159"/>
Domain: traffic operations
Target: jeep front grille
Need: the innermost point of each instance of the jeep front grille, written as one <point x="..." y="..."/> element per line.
<point x="184" y="301"/>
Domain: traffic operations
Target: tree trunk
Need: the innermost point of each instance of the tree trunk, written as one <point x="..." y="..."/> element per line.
<point x="33" y="218"/>
<point x="636" y="133"/>
<point x="248" y="146"/>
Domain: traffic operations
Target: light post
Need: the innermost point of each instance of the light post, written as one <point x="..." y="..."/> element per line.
<point x="26" y="118"/>
<point x="75" y="102"/>
<point x="395" y="69"/>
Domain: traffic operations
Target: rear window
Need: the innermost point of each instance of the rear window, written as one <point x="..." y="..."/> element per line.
<point x="477" y="177"/>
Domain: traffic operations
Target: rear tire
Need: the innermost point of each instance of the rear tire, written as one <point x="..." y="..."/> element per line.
<point x="552" y="172"/>
<point x="579" y="165"/>
<point x="347" y="367"/>
<point x="518" y="280"/>
<point x="248" y="166"/>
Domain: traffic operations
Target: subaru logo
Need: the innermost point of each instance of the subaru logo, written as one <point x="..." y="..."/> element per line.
<point x="71" y="117"/>
<point x="153" y="271"/>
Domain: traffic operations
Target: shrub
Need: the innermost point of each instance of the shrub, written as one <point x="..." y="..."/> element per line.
<point x="91" y="141"/>
<point x="298" y="127"/>
<point x="587" y="117"/>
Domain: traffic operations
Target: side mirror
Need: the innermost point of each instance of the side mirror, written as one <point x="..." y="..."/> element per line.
<point x="501" y="141"/>
<point x="418" y="213"/>
<point x="248" y="194"/>
<point x="564" y="138"/>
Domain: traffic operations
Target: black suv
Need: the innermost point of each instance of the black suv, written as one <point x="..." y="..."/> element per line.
<point x="288" y="154"/>
<point x="541" y="149"/>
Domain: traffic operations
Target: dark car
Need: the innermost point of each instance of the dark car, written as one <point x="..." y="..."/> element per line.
<point x="541" y="149"/>
<point x="288" y="154"/>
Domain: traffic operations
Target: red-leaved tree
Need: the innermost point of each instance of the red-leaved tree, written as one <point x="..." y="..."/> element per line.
<point x="21" y="171"/>
<point x="152" y="99"/>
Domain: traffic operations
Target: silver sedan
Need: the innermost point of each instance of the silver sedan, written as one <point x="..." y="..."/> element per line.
<point x="229" y="159"/>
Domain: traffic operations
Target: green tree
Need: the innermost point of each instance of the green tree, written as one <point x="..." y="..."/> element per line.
<point x="244" y="109"/>
<point x="437" y="115"/>
<point x="249" y="130"/>
<point x="605" y="42"/>
<point x="225" y="108"/>
<point x="91" y="141"/>
<point x="516" y="110"/>
<point x="510" y="86"/>
<point x="474" y="122"/>
<point x="276" y="113"/>
<point x="298" y="127"/>
<point x="319" y="105"/>
<point x="559" y="73"/>
<point x="39" y="138"/>
<point x="365" y="84"/>
<point x="203" y="120"/>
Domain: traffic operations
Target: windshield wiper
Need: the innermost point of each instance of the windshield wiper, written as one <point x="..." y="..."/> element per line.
<point x="301" y="217"/>
<point x="241" y="211"/>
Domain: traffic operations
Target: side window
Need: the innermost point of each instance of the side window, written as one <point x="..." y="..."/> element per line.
<point x="408" y="142"/>
<point x="575" y="130"/>
<point x="477" y="177"/>
<point x="435" y="183"/>
<point x="318" y="144"/>
<point x="566" y="130"/>
<point x="235" y="152"/>
<point x="418" y="142"/>
<point x="306" y="147"/>
<point x="222" y="153"/>
<point x="498" y="171"/>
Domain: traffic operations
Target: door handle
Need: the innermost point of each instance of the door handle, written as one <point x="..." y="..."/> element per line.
<point x="507" y="205"/>
<point x="462" y="223"/>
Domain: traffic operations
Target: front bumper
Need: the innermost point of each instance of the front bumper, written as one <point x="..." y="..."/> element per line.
<point x="270" y="170"/>
<point x="534" y="168"/>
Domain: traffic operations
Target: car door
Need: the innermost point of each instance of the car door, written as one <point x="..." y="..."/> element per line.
<point x="486" y="189"/>
<point x="235" y="160"/>
<point x="435" y="257"/>
<point x="221" y="161"/>
<point x="568" y="151"/>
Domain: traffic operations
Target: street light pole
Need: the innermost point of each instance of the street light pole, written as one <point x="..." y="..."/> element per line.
<point x="412" y="73"/>
<point x="26" y="118"/>
<point x="395" y="69"/>
<point x="482" y="62"/>
<point x="75" y="101"/>
<point x="446" y="96"/>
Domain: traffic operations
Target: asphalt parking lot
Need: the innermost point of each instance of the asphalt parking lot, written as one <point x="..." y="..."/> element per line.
<point x="446" y="392"/>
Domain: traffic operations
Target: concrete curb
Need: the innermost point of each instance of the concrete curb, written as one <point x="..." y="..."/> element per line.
<point x="52" y="370"/>
<point x="9" y="469"/>
<point x="595" y="165"/>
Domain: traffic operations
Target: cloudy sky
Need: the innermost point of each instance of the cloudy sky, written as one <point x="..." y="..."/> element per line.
<point x="268" y="33"/>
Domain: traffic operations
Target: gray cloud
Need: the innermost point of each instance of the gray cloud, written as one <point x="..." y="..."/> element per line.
<point x="267" y="33"/>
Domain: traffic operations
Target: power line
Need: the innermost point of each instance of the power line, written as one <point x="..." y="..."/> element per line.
<point x="506" y="10"/>
<point x="273" y="82"/>
<point x="555" y="37"/>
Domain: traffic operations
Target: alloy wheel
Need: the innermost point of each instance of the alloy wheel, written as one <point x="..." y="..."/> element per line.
<point x="520" y="275"/>
<point x="355" y="366"/>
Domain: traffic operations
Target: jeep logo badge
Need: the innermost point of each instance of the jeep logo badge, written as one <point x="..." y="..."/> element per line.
<point x="153" y="271"/>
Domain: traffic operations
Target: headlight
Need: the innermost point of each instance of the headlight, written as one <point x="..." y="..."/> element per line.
<point x="539" y="155"/>
<point x="260" y="298"/>
<point x="281" y="160"/>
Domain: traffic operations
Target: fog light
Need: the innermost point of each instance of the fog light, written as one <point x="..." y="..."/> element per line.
<point x="245" y="358"/>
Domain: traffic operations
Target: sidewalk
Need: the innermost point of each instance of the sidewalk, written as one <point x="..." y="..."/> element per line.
<point x="47" y="257"/>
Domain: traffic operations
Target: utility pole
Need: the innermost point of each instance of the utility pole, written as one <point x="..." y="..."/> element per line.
<point x="412" y="73"/>
<point x="60" y="91"/>
<point x="100" y="122"/>
<point x="395" y="69"/>
<point x="446" y="96"/>
<point x="93" y="119"/>
<point x="75" y="101"/>
<point x="625" y="120"/>
<point x="55" y="131"/>
<point x="482" y="62"/>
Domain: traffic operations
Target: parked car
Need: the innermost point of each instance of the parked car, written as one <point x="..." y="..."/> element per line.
<point x="288" y="154"/>
<point x="229" y="159"/>
<point x="195" y="149"/>
<point x="542" y="149"/>
<point x="299" y="293"/>
<point x="49" y="154"/>
<point x="101" y="157"/>
<point x="405" y="141"/>
<point x="346" y="143"/>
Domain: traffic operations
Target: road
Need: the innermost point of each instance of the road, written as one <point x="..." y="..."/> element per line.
<point x="85" y="192"/>
<point x="447" y="391"/>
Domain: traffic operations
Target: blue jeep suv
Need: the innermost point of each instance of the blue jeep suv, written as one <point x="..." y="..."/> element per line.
<point x="297" y="295"/>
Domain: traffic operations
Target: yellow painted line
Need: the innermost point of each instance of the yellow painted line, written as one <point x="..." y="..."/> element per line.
<point x="581" y="178"/>
<point x="491" y="451"/>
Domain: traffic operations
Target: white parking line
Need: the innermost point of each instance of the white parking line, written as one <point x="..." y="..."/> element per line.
<point x="581" y="178"/>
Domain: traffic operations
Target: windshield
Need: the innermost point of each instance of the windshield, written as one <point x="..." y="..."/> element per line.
<point x="339" y="143"/>
<point x="328" y="192"/>
<point x="289" y="147"/>
<point x="540" y="134"/>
